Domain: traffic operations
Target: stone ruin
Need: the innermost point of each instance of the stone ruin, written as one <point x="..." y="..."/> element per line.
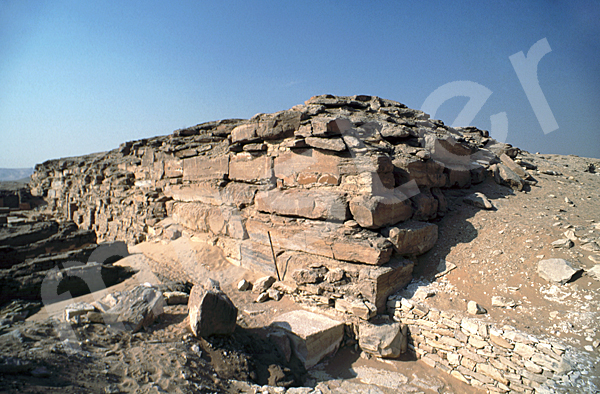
<point x="340" y="191"/>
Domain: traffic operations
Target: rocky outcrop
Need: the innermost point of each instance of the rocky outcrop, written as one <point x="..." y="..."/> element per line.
<point x="51" y="254"/>
<point x="330" y="181"/>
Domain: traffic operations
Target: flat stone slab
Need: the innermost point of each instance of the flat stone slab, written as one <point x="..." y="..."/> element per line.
<point x="556" y="270"/>
<point x="313" y="336"/>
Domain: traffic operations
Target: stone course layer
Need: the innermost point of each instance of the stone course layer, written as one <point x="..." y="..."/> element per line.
<point x="346" y="183"/>
<point x="497" y="359"/>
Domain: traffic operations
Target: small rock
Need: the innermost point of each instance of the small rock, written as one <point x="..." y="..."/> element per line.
<point x="262" y="297"/>
<point x="570" y="234"/>
<point x="335" y="275"/>
<point x="475" y="309"/>
<point x="503" y="302"/>
<point x="263" y="284"/>
<point x="563" y="243"/>
<point x="595" y="258"/>
<point x="478" y="200"/>
<point x="590" y="246"/>
<point x="274" y="294"/>
<point x="556" y="270"/>
<point x="176" y="297"/>
<point x="594" y="272"/>
<point x="243" y="285"/>
<point x="351" y="224"/>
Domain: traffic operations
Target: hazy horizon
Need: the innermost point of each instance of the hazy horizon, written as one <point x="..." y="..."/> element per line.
<point x="83" y="77"/>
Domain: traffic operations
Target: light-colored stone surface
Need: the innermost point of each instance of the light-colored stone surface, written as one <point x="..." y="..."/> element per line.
<point x="313" y="336"/>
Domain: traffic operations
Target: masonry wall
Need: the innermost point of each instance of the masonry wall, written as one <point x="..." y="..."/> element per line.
<point x="479" y="353"/>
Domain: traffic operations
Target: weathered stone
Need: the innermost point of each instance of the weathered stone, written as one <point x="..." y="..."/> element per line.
<point x="426" y="206"/>
<point x="311" y="204"/>
<point x="274" y="294"/>
<point x="505" y="176"/>
<point x="306" y="167"/>
<point x="503" y="302"/>
<point x="202" y="168"/>
<point x="517" y="169"/>
<point x="594" y="272"/>
<point x="475" y="309"/>
<point x="523" y="350"/>
<point x="138" y="307"/>
<point x="492" y="372"/>
<point x="309" y="275"/>
<point x="556" y="270"/>
<point x="332" y="144"/>
<point x="429" y="173"/>
<point x="325" y="239"/>
<point x="313" y="337"/>
<point x="263" y="284"/>
<point x="381" y="340"/>
<point x="176" y="297"/>
<point x="377" y="284"/>
<point x="499" y="341"/>
<point x="249" y="168"/>
<point x="564" y="243"/>
<point x="479" y="200"/>
<point x="376" y="211"/>
<point x="211" y="312"/>
<point x="262" y="297"/>
<point x="412" y="237"/>
<point x="243" y="285"/>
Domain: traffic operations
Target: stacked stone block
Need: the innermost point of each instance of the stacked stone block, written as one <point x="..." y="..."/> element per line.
<point x="479" y="353"/>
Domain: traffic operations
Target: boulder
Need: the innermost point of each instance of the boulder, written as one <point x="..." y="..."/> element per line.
<point x="138" y="307"/>
<point x="412" y="237"/>
<point x="211" y="312"/>
<point x="313" y="337"/>
<point x="557" y="271"/>
<point x="383" y="340"/>
<point x="507" y="177"/>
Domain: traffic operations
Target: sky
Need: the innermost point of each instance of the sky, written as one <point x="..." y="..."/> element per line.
<point x="78" y="77"/>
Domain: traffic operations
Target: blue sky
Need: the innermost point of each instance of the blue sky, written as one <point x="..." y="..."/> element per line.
<point x="83" y="76"/>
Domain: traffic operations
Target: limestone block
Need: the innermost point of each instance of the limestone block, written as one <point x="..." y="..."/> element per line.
<point x="517" y="169"/>
<point x="307" y="166"/>
<point x="325" y="239"/>
<point x="376" y="211"/>
<point x="505" y="176"/>
<point x="332" y="144"/>
<point x="312" y="204"/>
<point x="202" y="168"/>
<point x="173" y="168"/>
<point x="426" y="205"/>
<point x="211" y="312"/>
<point x="313" y="337"/>
<point x="557" y="271"/>
<point x="257" y="257"/>
<point x="138" y="308"/>
<point x="412" y="237"/>
<point x="382" y="340"/>
<point x="376" y="284"/>
<point x="246" y="167"/>
<point x="428" y="173"/>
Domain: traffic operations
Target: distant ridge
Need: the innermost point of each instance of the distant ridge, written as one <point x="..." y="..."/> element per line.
<point x="15" y="174"/>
